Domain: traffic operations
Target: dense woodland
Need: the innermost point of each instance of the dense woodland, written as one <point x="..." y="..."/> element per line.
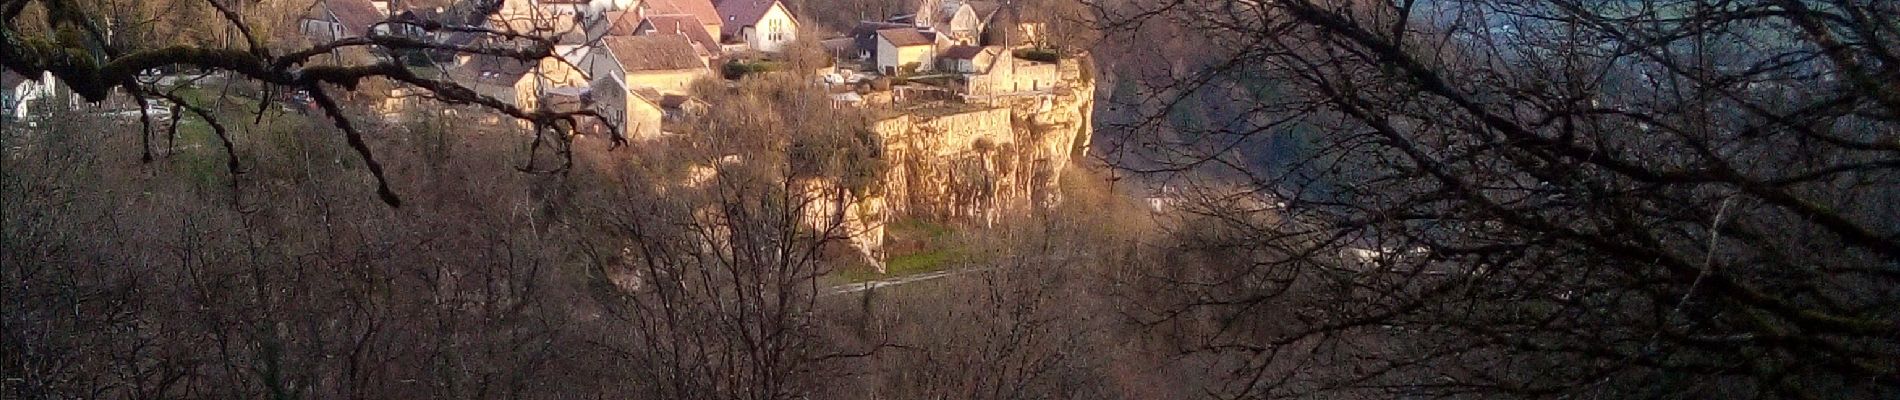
<point x="1288" y="199"/>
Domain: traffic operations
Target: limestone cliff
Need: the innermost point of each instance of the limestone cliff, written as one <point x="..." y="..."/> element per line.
<point x="981" y="161"/>
<point x="974" y="162"/>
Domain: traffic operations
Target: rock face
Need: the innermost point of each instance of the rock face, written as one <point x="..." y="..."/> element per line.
<point x="979" y="162"/>
<point x="973" y="162"/>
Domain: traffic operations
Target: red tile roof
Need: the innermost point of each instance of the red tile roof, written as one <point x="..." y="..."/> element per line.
<point x="620" y="23"/>
<point x="702" y="9"/>
<point x="682" y="25"/>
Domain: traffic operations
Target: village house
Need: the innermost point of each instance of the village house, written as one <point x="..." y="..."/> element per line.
<point x="904" y="50"/>
<point x="516" y="82"/>
<point x="502" y="78"/>
<point x="395" y="7"/>
<point x="864" y="38"/>
<point x="633" y="75"/>
<point x="682" y="107"/>
<point x="576" y="99"/>
<point x="542" y="17"/>
<point x="965" y="21"/>
<point x="761" y="25"/>
<point x="965" y="59"/>
<point x="996" y="71"/>
<point x="331" y="20"/>
<point x="633" y="113"/>
<point x="667" y="63"/>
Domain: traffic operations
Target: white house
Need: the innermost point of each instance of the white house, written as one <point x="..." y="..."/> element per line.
<point x="901" y="49"/>
<point x="762" y="25"/>
<point x="666" y="63"/>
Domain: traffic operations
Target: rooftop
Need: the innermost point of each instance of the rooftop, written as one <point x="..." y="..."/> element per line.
<point x="701" y="9"/>
<point x="904" y="37"/>
<point x="740" y="13"/>
<point x="682" y="25"/>
<point x="653" y="52"/>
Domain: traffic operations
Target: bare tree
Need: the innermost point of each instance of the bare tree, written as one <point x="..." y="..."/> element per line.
<point x="1553" y="198"/>
<point x="72" y="40"/>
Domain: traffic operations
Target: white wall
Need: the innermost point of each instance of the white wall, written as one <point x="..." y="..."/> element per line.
<point x="891" y="56"/>
<point x="773" y="30"/>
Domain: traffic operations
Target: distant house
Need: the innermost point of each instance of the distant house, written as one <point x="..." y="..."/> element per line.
<point x="330" y="20"/>
<point x="864" y="37"/>
<point x="904" y="49"/>
<point x="994" y="70"/>
<point x="966" y="59"/>
<point x="762" y="25"/>
<point x="394" y="7"/>
<point x="634" y="115"/>
<point x="701" y="10"/>
<point x="667" y="63"/>
<point x="681" y="107"/>
<point x="682" y="25"/>
<point x="575" y="99"/>
<point x="965" y="21"/>
<point x="542" y="17"/>
<point x="502" y="78"/>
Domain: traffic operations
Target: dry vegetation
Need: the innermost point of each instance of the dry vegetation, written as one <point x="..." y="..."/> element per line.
<point x="291" y="279"/>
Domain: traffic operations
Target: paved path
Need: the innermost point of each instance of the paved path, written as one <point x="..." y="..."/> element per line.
<point x="850" y="288"/>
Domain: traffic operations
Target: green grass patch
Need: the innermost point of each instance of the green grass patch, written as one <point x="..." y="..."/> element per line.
<point x="914" y="247"/>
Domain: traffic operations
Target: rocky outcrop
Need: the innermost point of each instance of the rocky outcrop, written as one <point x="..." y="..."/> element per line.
<point x="972" y="162"/>
<point x="981" y="162"/>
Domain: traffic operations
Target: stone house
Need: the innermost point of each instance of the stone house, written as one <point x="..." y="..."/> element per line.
<point x="667" y="63"/>
<point x="964" y="21"/>
<point x="762" y="25"/>
<point x="509" y="80"/>
<point x="995" y="70"/>
<point x="634" y="113"/>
